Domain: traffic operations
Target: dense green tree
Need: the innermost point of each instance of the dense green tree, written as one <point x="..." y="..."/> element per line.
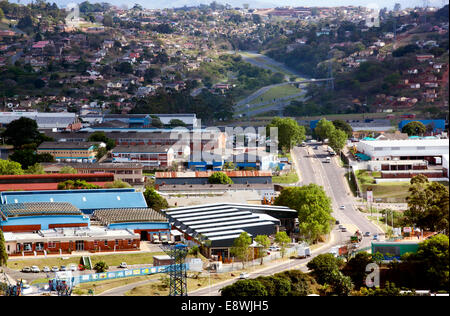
<point x="35" y="169"/>
<point x="219" y="178"/>
<point x="414" y="128"/>
<point x="289" y="132"/>
<point x="343" y="126"/>
<point x="323" y="266"/>
<point x="241" y="248"/>
<point x="244" y="288"/>
<point x="101" y="137"/>
<point x="154" y="200"/>
<point x="355" y="268"/>
<point x="337" y="140"/>
<point x="101" y="267"/>
<point x="68" y="170"/>
<point x="428" y="205"/>
<point x="21" y="132"/>
<point x="324" y="129"/>
<point x="8" y="167"/>
<point x="313" y="207"/>
<point x="431" y="263"/>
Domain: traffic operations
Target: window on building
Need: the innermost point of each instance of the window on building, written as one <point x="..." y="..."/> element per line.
<point x="39" y="246"/>
<point x="117" y="242"/>
<point x="27" y="246"/>
<point x="51" y="244"/>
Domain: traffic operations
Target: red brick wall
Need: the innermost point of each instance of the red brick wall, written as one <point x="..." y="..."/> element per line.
<point x="21" y="228"/>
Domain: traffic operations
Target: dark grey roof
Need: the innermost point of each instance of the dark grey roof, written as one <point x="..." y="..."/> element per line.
<point x="38" y="208"/>
<point x="128" y="215"/>
<point x="221" y="223"/>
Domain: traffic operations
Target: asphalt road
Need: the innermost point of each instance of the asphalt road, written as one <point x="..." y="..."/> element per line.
<point x="313" y="169"/>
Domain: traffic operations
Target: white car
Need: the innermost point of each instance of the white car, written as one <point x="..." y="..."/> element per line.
<point x="342" y="207"/>
<point x="244" y="275"/>
<point x="46" y="269"/>
<point x="274" y="248"/>
<point x="73" y="267"/>
<point x="35" y="269"/>
<point x="123" y="265"/>
<point x="55" y="269"/>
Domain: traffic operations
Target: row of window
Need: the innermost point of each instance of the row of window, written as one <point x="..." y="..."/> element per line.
<point x="397" y="148"/>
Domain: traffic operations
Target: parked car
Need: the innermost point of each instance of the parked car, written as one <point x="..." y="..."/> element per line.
<point x="123" y="265"/>
<point x="244" y="275"/>
<point x="342" y="207"/>
<point x="35" y="269"/>
<point x="367" y="234"/>
<point x="337" y="222"/>
<point x="375" y="237"/>
<point x="63" y="268"/>
<point x="274" y="248"/>
<point x="26" y="269"/>
<point x="55" y="269"/>
<point x="73" y="267"/>
<point x="46" y="269"/>
<point x="343" y="229"/>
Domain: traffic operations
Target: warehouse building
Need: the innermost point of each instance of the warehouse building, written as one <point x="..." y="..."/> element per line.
<point x="45" y="120"/>
<point x="31" y="217"/>
<point x="66" y="240"/>
<point x="409" y="149"/>
<point x="201" y="177"/>
<point x="221" y="224"/>
<point x="85" y="200"/>
<point x="149" y="224"/>
<point x="33" y="182"/>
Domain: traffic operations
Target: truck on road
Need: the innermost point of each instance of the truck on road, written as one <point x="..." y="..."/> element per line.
<point x="303" y="251"/>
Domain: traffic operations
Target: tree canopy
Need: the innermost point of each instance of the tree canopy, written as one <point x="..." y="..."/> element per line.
<point x="313" y="207"/>
<point x="154" y="200"/>
<point x="289" y="132"/>
<point x="219" y="178"/>
<point x="414" y="128"/>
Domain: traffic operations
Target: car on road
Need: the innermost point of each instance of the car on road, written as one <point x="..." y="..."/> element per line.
<point x="63" y="268"/>
<point x="35" y="269"/>
<point x="73" y="267"/>
<point x="343" y="229"/>
<point x="327" y="160"/>
<point x="55" y="269"/>
<point x="274" y="248"/>
<point x="375" y="237"/>
<point x="244" y="276"/>
<point x="26" y="269"/>
<point x="342" y="207"/>
<point x="46" y="269"/>
<point x="303" y="144"/>
<point x="337" y="222"/>
<point x="367" y="234"/>
<point x="123" y="265"/>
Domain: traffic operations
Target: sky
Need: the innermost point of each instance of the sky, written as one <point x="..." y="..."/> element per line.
<point x="159" y="4"/>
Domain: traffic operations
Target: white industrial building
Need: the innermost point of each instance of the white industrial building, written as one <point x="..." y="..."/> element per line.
<point x="428" y="149"/>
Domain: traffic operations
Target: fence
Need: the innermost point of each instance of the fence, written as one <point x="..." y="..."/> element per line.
<point x="256" y="262"/>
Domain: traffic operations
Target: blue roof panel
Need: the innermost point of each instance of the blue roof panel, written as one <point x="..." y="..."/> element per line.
<point x="85" y="200"/>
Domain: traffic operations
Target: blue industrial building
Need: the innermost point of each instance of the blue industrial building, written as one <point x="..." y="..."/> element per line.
<point x="85" y="200"/>
<point x="19" y="217"/>
<point x="438" y="125"/>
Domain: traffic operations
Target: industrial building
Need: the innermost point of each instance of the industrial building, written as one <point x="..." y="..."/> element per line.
<point x="85" y="200"/>
<point x="35" y="216"/>
<point x="201" y="177"/>
<point x="67" y="240"/>
<point x="147" y="223"/>
<point x="409" y="149"/>
<point x="34" y="182"/>
<point x="221" y="224"/>
<point x="45" y="120"/>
